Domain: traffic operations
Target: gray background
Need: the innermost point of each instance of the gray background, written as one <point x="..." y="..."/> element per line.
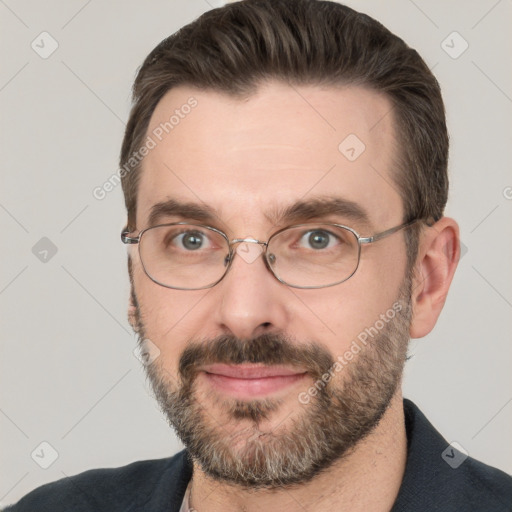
<point x="68" y="374"/>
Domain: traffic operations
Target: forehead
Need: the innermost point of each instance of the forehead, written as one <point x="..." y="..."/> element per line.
<point x="244" y="158"/>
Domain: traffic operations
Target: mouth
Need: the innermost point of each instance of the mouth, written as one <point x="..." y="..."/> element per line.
<point x="250" y="380"/>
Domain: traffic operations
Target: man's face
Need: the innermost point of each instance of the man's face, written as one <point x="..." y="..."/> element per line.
<point x="246" y="162"/>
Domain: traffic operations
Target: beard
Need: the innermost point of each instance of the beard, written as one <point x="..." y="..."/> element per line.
<point x="341" y="413"/>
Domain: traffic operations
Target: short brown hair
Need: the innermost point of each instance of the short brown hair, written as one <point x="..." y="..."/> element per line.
<point x="234" y="48"/>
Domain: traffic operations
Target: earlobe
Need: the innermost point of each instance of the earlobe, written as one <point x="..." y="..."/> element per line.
<point x="438" y="256"/>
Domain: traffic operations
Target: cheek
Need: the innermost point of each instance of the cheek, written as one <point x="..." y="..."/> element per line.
<point x="167" y="315"/>
<point x="336" y="316"/>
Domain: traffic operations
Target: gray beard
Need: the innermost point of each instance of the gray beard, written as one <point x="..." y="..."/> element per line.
<point x="342" y="413"/>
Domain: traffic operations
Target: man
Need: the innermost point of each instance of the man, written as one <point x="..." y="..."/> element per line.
<point x="285" y="175"/>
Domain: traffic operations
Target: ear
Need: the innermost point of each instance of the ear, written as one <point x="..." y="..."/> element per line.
<point x="438" y="256"/>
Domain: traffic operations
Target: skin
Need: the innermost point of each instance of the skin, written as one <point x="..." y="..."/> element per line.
<point x="243" y="158"/>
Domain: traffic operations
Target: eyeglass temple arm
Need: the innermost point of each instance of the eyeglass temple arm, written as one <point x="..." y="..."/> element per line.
<point x="378" y="236"/>
<point x="129" y="239"/>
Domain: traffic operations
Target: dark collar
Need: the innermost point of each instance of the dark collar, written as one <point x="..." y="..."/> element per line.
<point x="431" y="480"/>
<point x="440" y="477"/>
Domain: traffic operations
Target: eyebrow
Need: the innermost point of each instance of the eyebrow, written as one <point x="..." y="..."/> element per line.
<point x="318" y="207"/>
<point x="300" y="211"/>
<point x="175" y="208"/>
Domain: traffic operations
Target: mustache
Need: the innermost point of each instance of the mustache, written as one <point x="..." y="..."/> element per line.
<point x="267" y="349"/>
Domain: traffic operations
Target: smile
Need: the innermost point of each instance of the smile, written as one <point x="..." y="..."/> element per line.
<point x="248" y="381"/>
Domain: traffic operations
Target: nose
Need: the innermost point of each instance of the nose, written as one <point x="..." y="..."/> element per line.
<point x="250" y="300"/>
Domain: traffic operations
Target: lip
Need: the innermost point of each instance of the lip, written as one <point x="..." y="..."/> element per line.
<point x="247" y="381"/>
<point x="250" y="371"/>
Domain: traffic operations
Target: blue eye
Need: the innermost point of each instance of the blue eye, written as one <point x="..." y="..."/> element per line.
<point x="191" y="240"/>
<point x="318" y="239"/>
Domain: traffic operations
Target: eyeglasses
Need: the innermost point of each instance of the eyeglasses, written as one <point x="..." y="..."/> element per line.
<point x="187" y="256"/>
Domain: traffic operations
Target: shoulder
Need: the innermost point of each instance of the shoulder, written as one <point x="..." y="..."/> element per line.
<point x="440" y="476"/>
<point x="473" y="486"/>
<point x="124" y="488"/>
<point x="478" y="482"/>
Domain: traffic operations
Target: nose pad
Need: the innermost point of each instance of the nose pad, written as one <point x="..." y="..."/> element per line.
<point x="249" y="250"/>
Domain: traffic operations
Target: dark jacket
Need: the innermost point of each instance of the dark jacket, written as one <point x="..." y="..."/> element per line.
<point x="437" y="477"/>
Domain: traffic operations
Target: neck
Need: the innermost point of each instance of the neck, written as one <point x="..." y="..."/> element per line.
<point x="367" y="479"/>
